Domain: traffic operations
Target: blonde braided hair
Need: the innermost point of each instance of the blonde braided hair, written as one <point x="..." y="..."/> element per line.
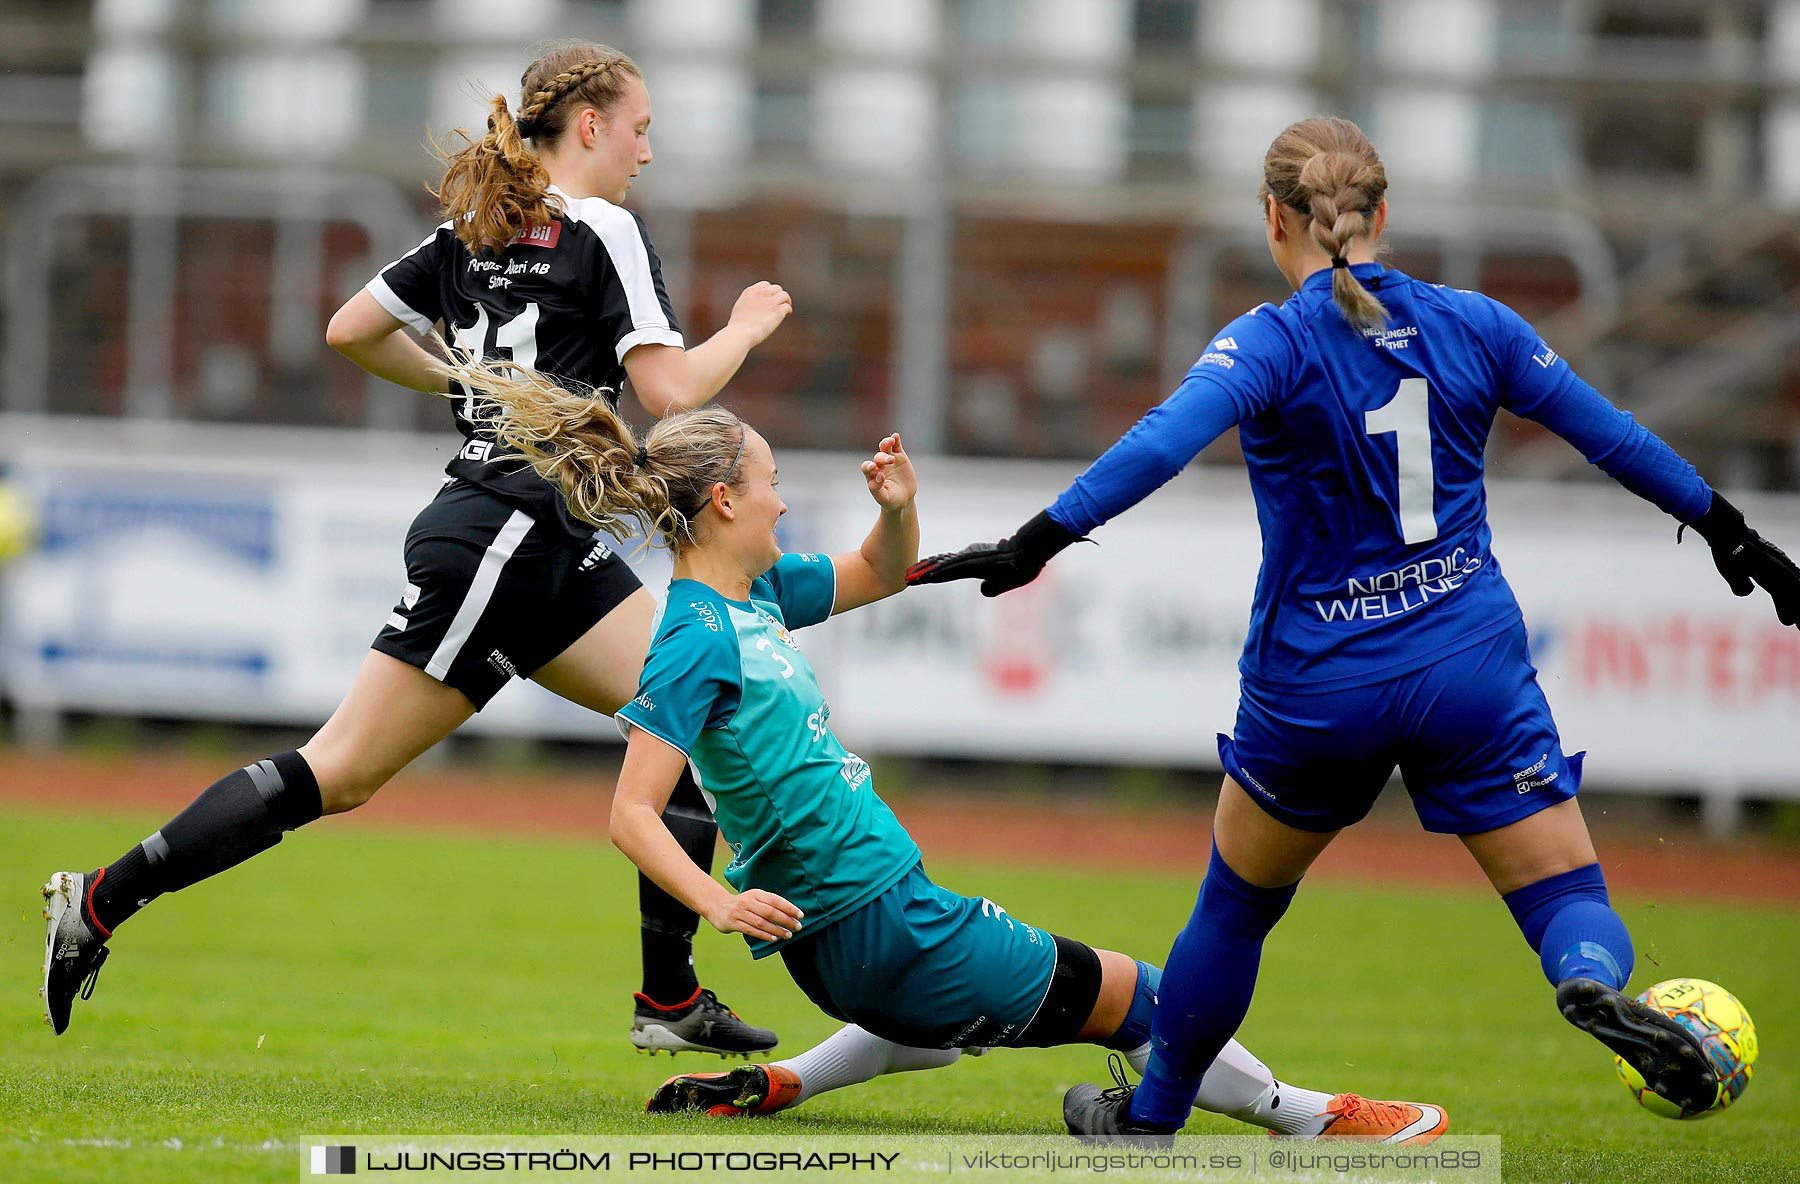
<point x="1326" y="169"/>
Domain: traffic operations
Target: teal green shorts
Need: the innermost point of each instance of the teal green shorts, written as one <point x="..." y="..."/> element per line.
<point x="923" y="966"/>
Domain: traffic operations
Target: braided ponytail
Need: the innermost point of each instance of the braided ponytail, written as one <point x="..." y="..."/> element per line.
<point x="496" y="187"/>
<point x="1326" y="170"/>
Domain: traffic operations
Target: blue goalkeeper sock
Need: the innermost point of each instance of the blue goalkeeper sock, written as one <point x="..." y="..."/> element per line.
<point x="1569" y="921"/>
<point x="1206" y="989"/>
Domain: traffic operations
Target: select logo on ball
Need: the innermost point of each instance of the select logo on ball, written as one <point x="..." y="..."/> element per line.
<point x="1725" y="1030"/>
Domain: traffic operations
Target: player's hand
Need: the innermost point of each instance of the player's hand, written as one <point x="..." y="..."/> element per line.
<point x="892" y="482"/>
<point x="757" y="913"/>
<point x="1747" y="560"/>
<point x="761" y="309"/>
<point x="1002" y="566"/>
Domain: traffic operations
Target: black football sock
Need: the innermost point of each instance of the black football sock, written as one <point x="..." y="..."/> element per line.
<point x="666" y="927"/>
<point x="237" y="816"/>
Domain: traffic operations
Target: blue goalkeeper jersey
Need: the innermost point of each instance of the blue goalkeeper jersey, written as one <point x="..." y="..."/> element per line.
<point x="726" y="685"/>
<point x="1365" y="452"/>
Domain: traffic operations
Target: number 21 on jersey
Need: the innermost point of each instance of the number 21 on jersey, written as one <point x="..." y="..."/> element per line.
<point x="1408" y="416"/>
<point x="515" y="338"/>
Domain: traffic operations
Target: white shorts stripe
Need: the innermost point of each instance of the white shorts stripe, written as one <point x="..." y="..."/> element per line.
<point x="481" y="590"/>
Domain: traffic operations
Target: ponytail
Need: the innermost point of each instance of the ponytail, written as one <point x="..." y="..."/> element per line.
<point x="580" y="443"/>
<point x="494" y="188"/>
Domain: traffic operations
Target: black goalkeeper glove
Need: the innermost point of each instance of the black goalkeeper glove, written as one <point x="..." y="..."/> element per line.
<point x="1002" y="566"/>
<point x="1747" y="560"/>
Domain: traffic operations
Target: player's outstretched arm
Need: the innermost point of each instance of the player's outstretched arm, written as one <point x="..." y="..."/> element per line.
<point x="667" y="378"/>
<point x="371" y="336"/>
<point x="1011" y="563"/>
<point x="1210" y="400"/>
<point x="878" y="568"/>
<point x="645" y="783"/>
<point x="1747" y="560"/>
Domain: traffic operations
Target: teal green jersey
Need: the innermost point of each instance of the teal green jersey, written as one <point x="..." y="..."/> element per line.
<point x="726" y="685"/>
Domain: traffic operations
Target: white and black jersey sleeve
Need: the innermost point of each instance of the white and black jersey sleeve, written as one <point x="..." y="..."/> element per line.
<point x="629" y="297"/>
<point x="411" y="287"/>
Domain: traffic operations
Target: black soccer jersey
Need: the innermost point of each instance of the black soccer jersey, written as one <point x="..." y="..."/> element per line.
<point x="570" y="298"/>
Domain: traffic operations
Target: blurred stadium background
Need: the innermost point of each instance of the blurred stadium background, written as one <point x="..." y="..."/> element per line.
<point x="1008" y="226"/>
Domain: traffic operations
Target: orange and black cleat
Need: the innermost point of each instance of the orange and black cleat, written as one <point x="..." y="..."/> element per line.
<point x="738" y="1093"/>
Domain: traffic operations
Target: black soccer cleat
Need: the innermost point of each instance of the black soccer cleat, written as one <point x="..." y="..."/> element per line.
<point x="1671" y="1059"/>
<point x="702" y="1024"/>
<point x="73" y="951"/>
<point x="1094" y="1115"/>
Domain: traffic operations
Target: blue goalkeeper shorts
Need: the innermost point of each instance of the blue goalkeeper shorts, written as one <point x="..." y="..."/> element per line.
<point x="923" y="966"/>
<point x="1471" y="735"/>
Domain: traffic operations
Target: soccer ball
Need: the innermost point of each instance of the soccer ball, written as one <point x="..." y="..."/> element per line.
<point x="1712" y="1013"/>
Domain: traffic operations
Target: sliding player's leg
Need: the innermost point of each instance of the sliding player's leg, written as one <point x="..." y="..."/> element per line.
<point x="849" y="1056"/>
<point x="924" y="974"/>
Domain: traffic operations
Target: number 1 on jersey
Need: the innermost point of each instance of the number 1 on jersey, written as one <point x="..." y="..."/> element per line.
<point x="1408" y="416"/>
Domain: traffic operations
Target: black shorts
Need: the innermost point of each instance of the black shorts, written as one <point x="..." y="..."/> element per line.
<point x="491" y="592"/>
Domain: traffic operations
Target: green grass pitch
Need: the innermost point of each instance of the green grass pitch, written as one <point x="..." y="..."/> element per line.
<point x="360" y="982"/>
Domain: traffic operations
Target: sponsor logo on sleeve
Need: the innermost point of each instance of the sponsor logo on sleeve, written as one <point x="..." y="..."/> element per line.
<point x="592" y="559"/>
